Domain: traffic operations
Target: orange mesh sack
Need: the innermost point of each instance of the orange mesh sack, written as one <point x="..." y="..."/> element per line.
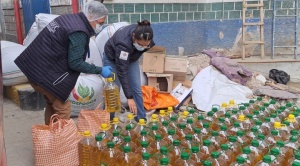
<point x="92" y="119"/>
<point x="154" y="100"/>
<point x="56" y="144"/>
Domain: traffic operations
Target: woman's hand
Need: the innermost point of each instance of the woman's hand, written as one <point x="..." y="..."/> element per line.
<point x="132" y="106"/>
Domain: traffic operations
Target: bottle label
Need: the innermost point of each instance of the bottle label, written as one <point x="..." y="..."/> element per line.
<point x="271" y="140"/>
<point x="246" y="158"/>
<point x="196" y="138"/>
<point x="254" y="149"/>
<point x="213" y="140"/>
<point x="291" y="145"/>
<point x="240" y="140"/>
<point x="224" y="155"/>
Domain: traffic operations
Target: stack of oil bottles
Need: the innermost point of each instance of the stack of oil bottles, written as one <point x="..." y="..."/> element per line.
<point x="255" y="133"/>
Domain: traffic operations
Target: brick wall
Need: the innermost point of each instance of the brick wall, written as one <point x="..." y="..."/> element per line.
<point x="10" y="24"/>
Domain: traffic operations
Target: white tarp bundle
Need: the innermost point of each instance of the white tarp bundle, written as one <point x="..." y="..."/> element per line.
<point x="11" y="73"/>
<point x="211" y="87"/>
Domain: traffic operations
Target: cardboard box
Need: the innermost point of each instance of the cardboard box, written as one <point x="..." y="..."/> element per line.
<point x="162" y="82"/>
<point x="181" y="92"/>
<point x="177" y="67"/>
<point x="154" y="60"/>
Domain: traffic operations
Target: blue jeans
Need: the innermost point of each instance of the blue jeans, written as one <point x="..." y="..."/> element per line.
<point x="135" y="82"/>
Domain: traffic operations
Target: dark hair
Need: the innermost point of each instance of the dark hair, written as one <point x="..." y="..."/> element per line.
<point x="143" y="31"/>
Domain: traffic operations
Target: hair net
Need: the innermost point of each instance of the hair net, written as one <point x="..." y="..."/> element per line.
<point x="94" y="10"/>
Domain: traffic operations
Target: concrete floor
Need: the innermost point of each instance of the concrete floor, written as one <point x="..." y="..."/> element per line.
<point x="17" y="133"/>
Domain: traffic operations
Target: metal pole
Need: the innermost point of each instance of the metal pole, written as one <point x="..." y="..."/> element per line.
<point x="273" y="29"/>
<point x="18" y="22"/>
<point x="296" y="29"/>
<point x="75" y="6"/>
<point x="2" y="145"/>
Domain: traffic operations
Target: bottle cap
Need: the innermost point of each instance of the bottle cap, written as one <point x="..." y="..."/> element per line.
<point x="246" y="104"/>
<point x="256" y="112"/>
<point x="206" y="142"/>
<point x="280" y="143"/>
<point x="158" y="137"/>
<point x="127" y="139"/>
<point x="287" y="123"/>
<point x="255" y="143"/>
<point x="242" y="108"/>
<point x="261" y="136"/>
<point x="154" y="116"/>
<point x="130" y="116"/>
<point x="240" y="133"/>
<point x="282" y="108"/>
<point x="267" y="119"/>
<point x="146" y="156"/>
<point x="227" y="115"/>
<point x="214" y="109"/>
<point x="250" y="116"/>
<point x="240" y="160"/>
<point x="297" y="156"/>
<point x="246" y="150"/>
<point x="267" y="159"/>
<point x="116" y="133"/>
<point x="128" y="127"/>
<point x="110" y="144"/>
<point x="215" y="155"/>
<point x="224" y="147"/>
<point x="163" y="150"/>
<point x="185" y="113"/>
<point x="143" y="132"/>
<point x="207" y="163"/>
<point x="195" y="149"/>
<point x="224" y="128"/>
<point x="210" y="113"/>
<point x="258" y="122"/>
<point x="236" y="124"/>
<point x="173" y="118"/>
<point x="296" y="163"/>
<point x="164" y="161"/>
<point x="259" y="98"/>
<point x="154" y="127"/>
<point x="293" y="139"/>
<point x="288" y="104"/>
<point x="214" y="133"/>
<point x="86" y="133"/>
<point x="197" y="130"/>
<point x="232" y="139"/>
<point x="165" y="123"/>
<point x="191" y="111"/>
<point x="275" y="132"/>
<point x="142" y="122"/>
<point x="294" y="132"/>
<point x="184" y="156"/>
<point x="190" y="121"/>
<point x="170" y="109"/>
<point x="189" y="137"/>
<point x="144" y="144"/>
<point x="176" y="142"/>
<point x="182" y="126"/>
<point x="206" y="125"/>
<point x="171" y="132"/>
<point x="272" y="102"/>
<point x="275" y="152"/>
<point x="127" y="149"/>
<point x="251" y="101"/>
<point x="266" y="104"/>
<point x="262" y="108"/>
<point x="234" y="111"/>
<point x="110" y="79"/>
<point x="277" y="125"/>
<point x="200" y="117"/>
<point x="98" y="138"/>
<point x="254" y="129"/>
<point x="273" y="115"/>
<point x="241" y="118"/>
<point x="224" y="105"/>
<point x="115" y="121"/>
<point x="222" y="119"/>
<point x="231" y="102"/>
<point x="162" y="113"/>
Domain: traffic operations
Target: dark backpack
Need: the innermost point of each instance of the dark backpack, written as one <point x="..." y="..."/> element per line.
<point x="279" y="76"/>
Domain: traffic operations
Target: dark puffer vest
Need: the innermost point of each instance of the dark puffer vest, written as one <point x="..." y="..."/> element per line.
<point x="45" y="60"/>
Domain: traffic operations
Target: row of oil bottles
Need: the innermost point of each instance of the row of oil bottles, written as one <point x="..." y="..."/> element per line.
<point x="255" y="133"/>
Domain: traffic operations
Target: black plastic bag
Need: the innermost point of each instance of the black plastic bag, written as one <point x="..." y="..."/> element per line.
<point x="279" y="76"/>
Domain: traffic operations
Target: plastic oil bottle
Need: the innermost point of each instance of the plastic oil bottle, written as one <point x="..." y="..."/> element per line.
<point x="196" y="155"/>
<point x="143" y="137"/>
<point x="184" y="160"/>
<point x="242" y="139"/>
<point x="223" y="133"/>
<point x="145" y="161"/>
<point x="245" y="123"/>
<point x="128" y="142"/>
<point x="115" y="123"/>
<point x="163" y="116"/>
<point x="164" y="128"/>
<point x="240" y="161"/>
<point x="97" y="147"/>
<point x="171" y="136"/>
<point x="282" y="129"/>
<point x="164" y="162"/>
<point x="158" y="143"/>
<point x="266" y="161"/>
<point x="129" y="132"/>
<point x="175" y="151"/>
<point x="187" y="143"/>
<point x="252" y="133"/>
<point x="163" y="153"/>
<point x="263" y="144"/>
<point x="173" y="122"/>
<point x="130" y="121"/>
<point x="276" y="158"/>
<point x="207" y="149"/>
<point x="226" y="154"/>
<point x="250" y="159"/>
<point x="112" y="96"/>
<point x="199" y="122"/>
<point x="295" y="159"/>
<point x="109" y="155"/>
<point x="216" y="140"/>
<point x="155" y="131"/>
<point x="128" y="158"/>
<point x="291" y="145"/>
<point x="293" y="123"/>
<point x="190" y="125"/>
<point x="171" y="112"/>
<point x="84" y="149"/>
<point x="144" y="148"/>
<point x="141" y="125"/>
<point x="117" y="139"/>
<point x="182" y="131"/>
<point x="205" y="132"/>
<point x="104" y="132"/>
<point x="215" y="159"/>
<point x="234" y="146"/>
<point x="256" y="151"/>
<point x="197" y="137"/>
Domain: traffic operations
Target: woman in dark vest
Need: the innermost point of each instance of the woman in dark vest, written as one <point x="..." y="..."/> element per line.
<point x="54" y="60"/>
<point x="122" y="52"/>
